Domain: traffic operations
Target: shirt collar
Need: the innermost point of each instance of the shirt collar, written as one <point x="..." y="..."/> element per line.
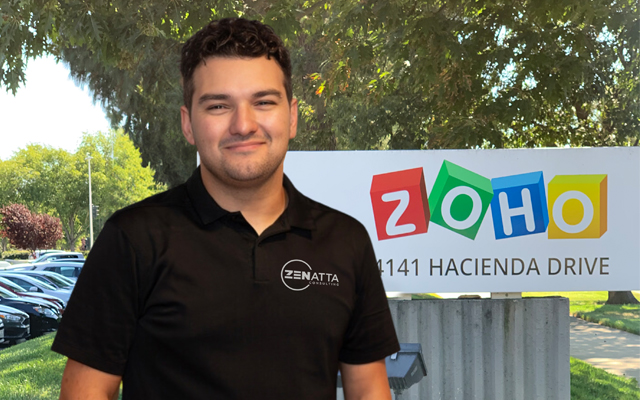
<point x="206" y="207"/>
<point x="299" y="209"/>
<point x="298" y="212"/>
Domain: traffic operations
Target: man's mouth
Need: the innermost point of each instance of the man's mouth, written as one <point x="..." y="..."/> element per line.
<point x="244" y="145"/>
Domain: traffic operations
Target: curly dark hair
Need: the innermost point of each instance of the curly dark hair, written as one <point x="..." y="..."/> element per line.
<point x="232" y="37"/>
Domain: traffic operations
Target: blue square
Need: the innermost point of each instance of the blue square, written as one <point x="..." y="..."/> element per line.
<point x="519" y="205"/>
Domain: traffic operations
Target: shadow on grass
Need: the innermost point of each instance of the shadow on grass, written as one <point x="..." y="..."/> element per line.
<point x="625" y="317"/>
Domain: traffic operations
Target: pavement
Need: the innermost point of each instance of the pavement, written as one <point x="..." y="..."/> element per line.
<point x="613" y="350"/>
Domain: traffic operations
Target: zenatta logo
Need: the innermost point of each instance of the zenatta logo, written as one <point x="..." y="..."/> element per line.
<point x="297" y="275"/>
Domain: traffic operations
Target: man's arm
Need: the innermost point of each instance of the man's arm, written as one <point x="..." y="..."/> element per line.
<point x="81" y="382"/>
<point x="365" y="381"/>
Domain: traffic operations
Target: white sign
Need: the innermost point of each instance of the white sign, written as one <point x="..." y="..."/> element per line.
<point x="488" y="220"/>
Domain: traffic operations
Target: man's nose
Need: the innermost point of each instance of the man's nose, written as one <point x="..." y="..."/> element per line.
<point x="244" y="120"/>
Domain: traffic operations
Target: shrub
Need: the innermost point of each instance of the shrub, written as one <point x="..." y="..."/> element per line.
<point x="16" y="254"/>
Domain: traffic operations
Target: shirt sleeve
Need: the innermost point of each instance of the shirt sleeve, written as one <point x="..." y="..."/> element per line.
<point x="100" y="320"/>
<point x="370" y="335"/>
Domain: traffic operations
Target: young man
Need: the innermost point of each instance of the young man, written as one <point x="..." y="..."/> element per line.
<point x="233" y="285"/>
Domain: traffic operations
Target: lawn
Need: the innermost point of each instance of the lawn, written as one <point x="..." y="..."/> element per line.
<point x="31" y="371"/>
<point x="590" y="383"/>
<point x="590" y="307"/>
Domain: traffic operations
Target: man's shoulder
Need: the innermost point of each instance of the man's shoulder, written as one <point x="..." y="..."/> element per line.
<point x="329" y="219"/>
<point x="171" y="202"/>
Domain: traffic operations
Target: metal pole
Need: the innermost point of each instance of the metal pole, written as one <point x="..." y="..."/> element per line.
<point x="90" y="206"/>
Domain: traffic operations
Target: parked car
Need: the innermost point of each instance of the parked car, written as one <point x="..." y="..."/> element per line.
<point x="56" y="280"/>
<point x="40" y="253"/>
<point x="58" y="256"/>
<point x="33" y="285"/>
<point x="16" y="324"/>
<point x="15" y="289"/>
<point x="43" y="318"/>
<point x="69" y="269"/>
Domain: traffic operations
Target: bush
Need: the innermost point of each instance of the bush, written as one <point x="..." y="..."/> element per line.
<point x="16" y="254"/>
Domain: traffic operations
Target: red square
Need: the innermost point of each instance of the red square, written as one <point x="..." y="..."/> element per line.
<point x="400" y="205"/>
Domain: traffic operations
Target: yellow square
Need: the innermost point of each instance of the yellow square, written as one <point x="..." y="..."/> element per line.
<point x="577" y="206"/>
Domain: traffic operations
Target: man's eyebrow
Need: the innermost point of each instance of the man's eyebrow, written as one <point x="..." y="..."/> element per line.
<point x="270" y="92"/>
<point x="212" y="96"/>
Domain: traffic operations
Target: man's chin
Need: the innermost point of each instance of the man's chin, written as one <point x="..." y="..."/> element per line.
<point x="245" y="178"/>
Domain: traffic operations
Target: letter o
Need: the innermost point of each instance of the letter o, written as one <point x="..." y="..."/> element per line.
<point x="587" y="217"/>
<point x="476" y="209"/>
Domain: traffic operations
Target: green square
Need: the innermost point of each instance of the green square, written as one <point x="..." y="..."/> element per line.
<point x="466" y="197"/>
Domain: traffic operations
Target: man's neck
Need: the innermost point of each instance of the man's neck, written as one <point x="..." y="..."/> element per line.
<point x="260" y="204"/>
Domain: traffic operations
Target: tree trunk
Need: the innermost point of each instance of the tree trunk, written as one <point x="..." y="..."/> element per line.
<point x="4" y="244"/>
<point x="622" y="298"/>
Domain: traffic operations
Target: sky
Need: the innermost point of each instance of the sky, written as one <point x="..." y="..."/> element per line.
<point x="49" y="109"/>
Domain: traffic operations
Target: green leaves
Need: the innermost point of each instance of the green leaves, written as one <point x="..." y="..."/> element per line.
<point x="55" y="181"/>
<point x="382" y="74"/>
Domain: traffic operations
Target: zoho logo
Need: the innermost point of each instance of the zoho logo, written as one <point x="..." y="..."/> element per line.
<point x="459" y="200"/>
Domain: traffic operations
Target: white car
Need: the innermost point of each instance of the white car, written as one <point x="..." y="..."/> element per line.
<point x="58" y="256"/>
<point x="68" y="269"/>
<point x="33" y="285"/>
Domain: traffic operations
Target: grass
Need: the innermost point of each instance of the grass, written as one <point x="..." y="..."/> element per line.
<point x="422" y="296"/>
<point x="591" y="307"/>
<point x="591" y="383"/>
<point x="31" y="371"/>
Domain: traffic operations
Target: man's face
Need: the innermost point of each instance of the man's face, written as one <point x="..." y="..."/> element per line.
<point x="240" y="119"/>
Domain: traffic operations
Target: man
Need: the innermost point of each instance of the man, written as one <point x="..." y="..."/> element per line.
<point x="233" y="285"/>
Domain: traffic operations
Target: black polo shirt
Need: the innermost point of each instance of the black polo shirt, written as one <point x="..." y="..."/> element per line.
<point x="186" y="301"/>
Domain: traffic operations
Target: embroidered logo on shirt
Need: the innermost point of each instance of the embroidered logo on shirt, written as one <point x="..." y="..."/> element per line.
<point x="297" y="275"/>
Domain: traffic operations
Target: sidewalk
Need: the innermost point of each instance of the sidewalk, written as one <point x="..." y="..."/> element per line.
<point x="613" y="350"/>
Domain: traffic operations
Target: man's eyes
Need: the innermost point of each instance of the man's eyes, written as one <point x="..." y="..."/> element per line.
<point x="259" y="103"/>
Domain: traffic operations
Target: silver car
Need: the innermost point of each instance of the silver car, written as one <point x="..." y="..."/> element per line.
<point x="34" y="285"/>
<point x="69" y="269"/>
<point x="58" y="256"/>
<point x="56" y="280"/>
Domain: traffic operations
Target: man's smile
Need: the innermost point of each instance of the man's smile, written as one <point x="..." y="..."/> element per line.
<point x="244" y="145"/>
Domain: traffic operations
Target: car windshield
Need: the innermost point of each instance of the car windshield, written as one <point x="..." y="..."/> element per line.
<point x="7" y="294"/>
<point x="12" y="285"/>
<point x="65" y="279"/>
<point x="46" y="280"/>
<point x="58" y="281"/>
<point x="29" y="282"/>
<point x="42" y="257"/>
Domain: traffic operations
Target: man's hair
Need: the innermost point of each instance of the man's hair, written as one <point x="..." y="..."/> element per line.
<point x="232" y="37"/>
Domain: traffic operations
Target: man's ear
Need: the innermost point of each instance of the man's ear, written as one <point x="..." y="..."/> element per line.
<point x="187" y="130"/>
<point x="293" y="125"/>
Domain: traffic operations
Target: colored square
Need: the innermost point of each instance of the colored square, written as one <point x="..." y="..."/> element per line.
<point x="577" y="206"/>
<point x="400" y="205"/>
<point x="519" y="205"/>
<point x="460" y="199"/>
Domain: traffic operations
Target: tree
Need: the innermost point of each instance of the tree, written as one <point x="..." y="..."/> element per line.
<point x="395" y="74"/>
<point x="59" y="180"/>
<point x="622" y="298"/>
<point x="27" y="230"/>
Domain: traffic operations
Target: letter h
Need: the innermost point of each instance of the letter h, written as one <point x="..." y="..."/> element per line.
<point x="519" y="205"/>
